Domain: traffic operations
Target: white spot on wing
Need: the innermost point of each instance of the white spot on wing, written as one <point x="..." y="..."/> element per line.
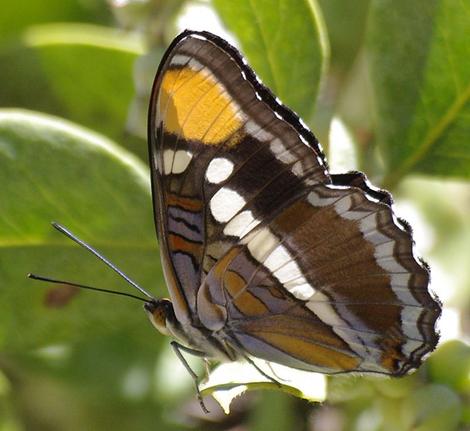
<point x="303" y="291"/>
<point x="167" y="161"/>
<point x="321" y="306"/>
<point x="225" y="204"/>
<point x="241" y="224"/>
<point x="286" y="270"/>
<point x="297" y="169"/>
<point x="343" y="205"/>
<point x="261" y="243"/>
<point x="179" y="60"/>
<point x="195" y="65"/>
<point x="265" y="248"/>
<point x="317" y="200"/>
<point x="281" y="152"/>
<point x="219" y="170"/>
<point x="409" y="316"/>
<point x="338" y="187"/>
<point x="181" y="161"/>
<point x="401" y="280"/>
<point x="385" y="250"/>
<point x="390" y="264"/>
<point x="257" y="131"/>
<point x="368" y="227"/>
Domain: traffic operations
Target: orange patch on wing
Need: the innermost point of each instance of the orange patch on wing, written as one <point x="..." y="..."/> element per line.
<point x="310" y="353"/>
<point x="194" y="105"/>
<point x="390" y="363"/>
<point x="176" y="242"/>
<point x="234" y="284"/>
<point x="391" y="343"/>
<point x="222" y="264"/>
<point x="189" y="204"/>
<point x="246" y="302"/>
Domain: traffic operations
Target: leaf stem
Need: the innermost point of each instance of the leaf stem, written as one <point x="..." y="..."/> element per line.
<point x="391" y="180"/>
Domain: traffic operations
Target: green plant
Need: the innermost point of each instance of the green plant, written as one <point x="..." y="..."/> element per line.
<point x="395" y="74"/>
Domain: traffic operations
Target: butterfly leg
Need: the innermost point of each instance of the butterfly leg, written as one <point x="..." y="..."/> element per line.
<point x="272" y="379"/>
<point x="274" y="372"/>
<point x="178" y="348"/>
<point x="206" y="365"/>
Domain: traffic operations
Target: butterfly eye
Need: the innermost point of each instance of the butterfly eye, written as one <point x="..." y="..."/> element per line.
<point x="160" y="312"/>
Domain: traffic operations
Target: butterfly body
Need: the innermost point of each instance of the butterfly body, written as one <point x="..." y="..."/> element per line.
<point x="265" y="253"/>
<point x="198" y="338"/>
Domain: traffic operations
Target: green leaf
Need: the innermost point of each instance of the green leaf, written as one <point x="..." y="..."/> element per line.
<point x="285" y="43"/>
<point x="450" y="365"/>
<point x="18" y="15"/>
<point x="432" y="408"/>
<point x="345" y="22"/>
<point x="420" y="67"/>
<point x="81" y="72"/>
<point x="53" y="170"/>
<point x="275" y="410"/>
<point x="229" y="380"/>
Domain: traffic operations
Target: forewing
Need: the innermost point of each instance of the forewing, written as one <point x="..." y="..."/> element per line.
<point x="223" y="155"/>
<point x="329" y="283"/>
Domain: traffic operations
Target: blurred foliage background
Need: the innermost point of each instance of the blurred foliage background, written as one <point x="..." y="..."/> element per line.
<point x="384" y="84"/>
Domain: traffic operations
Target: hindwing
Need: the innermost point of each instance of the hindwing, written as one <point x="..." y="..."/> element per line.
<point x="330" y="284"/>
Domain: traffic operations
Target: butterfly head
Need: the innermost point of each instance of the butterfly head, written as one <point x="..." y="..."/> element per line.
<point x="160" y="313"/>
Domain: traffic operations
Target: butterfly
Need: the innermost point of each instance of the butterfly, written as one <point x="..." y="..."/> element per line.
<point x="265" y="253"/>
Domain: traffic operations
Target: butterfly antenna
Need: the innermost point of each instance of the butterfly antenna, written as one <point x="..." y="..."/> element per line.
<point x="73" y="237"/>
<point x="82" y="286"/>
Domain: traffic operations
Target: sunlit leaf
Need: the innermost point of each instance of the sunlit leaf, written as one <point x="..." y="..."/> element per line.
<point x="229" y="380"/>
<point x="272" y="36"/>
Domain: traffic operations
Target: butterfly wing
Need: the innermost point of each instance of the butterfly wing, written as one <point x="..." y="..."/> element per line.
<point x="221" y="158"/>
<point x="259" y="243"/>
<point x="329" y="284"/>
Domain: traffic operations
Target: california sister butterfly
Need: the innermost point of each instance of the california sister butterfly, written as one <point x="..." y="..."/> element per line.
<point x="265" y="253"/>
